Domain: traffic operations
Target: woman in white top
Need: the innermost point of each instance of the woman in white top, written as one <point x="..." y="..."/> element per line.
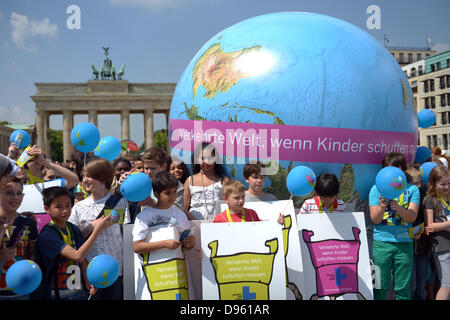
<point x="204" y="187"/>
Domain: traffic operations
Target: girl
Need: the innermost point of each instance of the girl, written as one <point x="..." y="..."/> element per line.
<point x="204" y="187"/>
<point x="179" y="169"/>
<point x="120" y="166"/>
<point x="437" y="208"/>
<point x="97" y="178"/>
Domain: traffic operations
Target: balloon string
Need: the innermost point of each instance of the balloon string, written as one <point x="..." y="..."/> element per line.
<point x="287" y="203"/>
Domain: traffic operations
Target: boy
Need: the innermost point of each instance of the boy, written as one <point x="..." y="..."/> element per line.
<point x="165" y="190"/>
<point x="18" y="233"/>
<point x="234" y="195"/>
<point x="138" y="164"/>
<point x="155" y="161"/>
<point x="63" y="249"/>
<point x="327" y="188"/>
<point x="252" y="175"/>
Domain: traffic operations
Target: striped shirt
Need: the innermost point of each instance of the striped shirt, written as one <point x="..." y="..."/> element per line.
<point x="313" y="206"/>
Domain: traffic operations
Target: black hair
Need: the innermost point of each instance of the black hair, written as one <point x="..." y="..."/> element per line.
<point x="49" y="194"/>
<point x="218" y="168"/>
<point x="394" y="159"/>
<point x="184" y="167"/>
<point x="119" y="160"/>
<point x="327" y="185"/>
<point x="163" y="181"/>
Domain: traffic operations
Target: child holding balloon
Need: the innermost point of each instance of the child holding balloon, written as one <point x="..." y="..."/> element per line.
<point x="165" y="190"/>
<point x="19" y="233"/>
<point x="63" y="249"/>
<point x="437" y="221"/>
<point x="393" y="250"/>
<point x="97" y="178"/>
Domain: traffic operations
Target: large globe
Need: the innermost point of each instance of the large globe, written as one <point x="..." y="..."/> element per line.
<point x="301" y="89"/>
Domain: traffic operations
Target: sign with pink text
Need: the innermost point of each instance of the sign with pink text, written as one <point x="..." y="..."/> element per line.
<point x="294" y="143"/>
<point x="335" y="256"/>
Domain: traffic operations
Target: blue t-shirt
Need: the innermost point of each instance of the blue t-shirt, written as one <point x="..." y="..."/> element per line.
<point x="50" y="246"/>
<point x="392" y="228"/>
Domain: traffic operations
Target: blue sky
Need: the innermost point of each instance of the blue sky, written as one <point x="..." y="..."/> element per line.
<point x="156" y="39"/>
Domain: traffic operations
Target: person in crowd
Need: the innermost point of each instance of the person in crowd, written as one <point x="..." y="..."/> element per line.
<point x="255" y="180"/>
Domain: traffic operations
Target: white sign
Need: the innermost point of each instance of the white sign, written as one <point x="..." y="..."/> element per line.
<point x="243" y="261"/>
<point x="32" y="199"/>
<point x="335" y="256"/>
<point x="294" y="267"/>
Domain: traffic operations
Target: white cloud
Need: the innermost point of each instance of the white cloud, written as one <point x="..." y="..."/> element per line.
<point x="17" y="115"/>
<point x="441" y="47"/>
<point x="23" y="29"/>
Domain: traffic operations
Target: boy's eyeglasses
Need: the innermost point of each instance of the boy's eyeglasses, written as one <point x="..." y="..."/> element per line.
<point x="12" y="194"/>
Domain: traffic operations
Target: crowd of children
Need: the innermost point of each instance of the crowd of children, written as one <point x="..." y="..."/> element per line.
<point x="81" y="227"/>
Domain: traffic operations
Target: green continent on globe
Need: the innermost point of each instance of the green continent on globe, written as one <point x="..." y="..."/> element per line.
<point x="215" y="70"/>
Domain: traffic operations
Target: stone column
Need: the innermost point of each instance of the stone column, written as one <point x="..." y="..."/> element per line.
<point x="40" y="132"/>
<point x="67" y="129"/>
<point x="148" y="127"/>
<point x="167" y="130"/>
<point x="125" y="123"/>
<point x="47" y="143"/>
<point x="93" y="117"/>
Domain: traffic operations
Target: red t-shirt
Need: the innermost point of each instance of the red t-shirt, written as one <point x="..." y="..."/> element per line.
<point x="250" y="215"/>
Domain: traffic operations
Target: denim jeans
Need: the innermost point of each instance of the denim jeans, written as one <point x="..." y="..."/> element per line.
<point x="419" y="277"/>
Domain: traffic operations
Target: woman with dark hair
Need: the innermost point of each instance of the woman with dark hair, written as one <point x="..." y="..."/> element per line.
<point x="179" y="169"/>
<point x="204" y="187"/>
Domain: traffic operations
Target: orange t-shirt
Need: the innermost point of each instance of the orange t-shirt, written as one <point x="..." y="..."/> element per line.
<point x="250" y="215"/>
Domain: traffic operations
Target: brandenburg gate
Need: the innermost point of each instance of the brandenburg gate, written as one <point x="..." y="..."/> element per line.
<point x="99" y="96"/>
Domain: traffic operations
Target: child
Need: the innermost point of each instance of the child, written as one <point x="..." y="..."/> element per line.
<point x="252" y="175"/>
<point x="393" y="250"/>
<point x="155" y="161"/>
<point x="421" y="249"/>
<point x="97" y="178"/>
<point x="63" y="250"/>
<point x="179" y="169"/>
<point x="138" y="164"/>
<point x="165" y="190"/>
<point x="18" y="233"/>
<point x="120" y="166"/>
<point x="234" y="195"/>
<point x="204" y="187"/>
<point x="325" y="201"/>
<point x="36" y="164"/>
<point x="438" y="226"/>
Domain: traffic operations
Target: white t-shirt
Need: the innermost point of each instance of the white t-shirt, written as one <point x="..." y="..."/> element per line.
<point x="109" y="241"/>
<point x="152" y="217"/>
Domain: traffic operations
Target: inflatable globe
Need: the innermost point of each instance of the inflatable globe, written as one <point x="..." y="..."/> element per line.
<point x="298" y="89"/>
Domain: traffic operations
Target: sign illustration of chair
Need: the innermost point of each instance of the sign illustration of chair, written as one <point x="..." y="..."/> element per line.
<point x="286" y="228"/>
<point x="244" y="276"/>
<point x="166" y="280"/>
<point x="336" y="265"/>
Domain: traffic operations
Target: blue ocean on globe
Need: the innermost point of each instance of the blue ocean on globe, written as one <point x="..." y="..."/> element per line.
<point x="300" y="69"/>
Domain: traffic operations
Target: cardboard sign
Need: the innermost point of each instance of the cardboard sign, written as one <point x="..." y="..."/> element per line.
<point x="243" y="261"/>
<point x="291" y="244"/>
<point x="32" y="199"/>
<point x="161" y="274"/>
<point x="335" y="256"/>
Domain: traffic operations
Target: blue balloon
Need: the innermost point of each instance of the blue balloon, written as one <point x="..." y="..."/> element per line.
<point x="300" y="181"/>
<point x="85" y="137"/>
<point x="425" y="170"/>
<point x="136" y="187"/>
<point x="23" y="277"/>
<point x="390" y="182"/>
<point x="21" y="138"/>
<point x="426" y="118"/>
<point x="115" y="216"/>
<point x="103" y="271"/>
<point x="108" y="148"/>
<point x="422" y="154"/>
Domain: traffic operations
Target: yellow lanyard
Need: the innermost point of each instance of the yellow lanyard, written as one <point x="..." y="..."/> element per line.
<point x="242" y="215"/>
<point x="445" y="203"/>
<point x="67" y="238"/>
<point x="321" y="206"/>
